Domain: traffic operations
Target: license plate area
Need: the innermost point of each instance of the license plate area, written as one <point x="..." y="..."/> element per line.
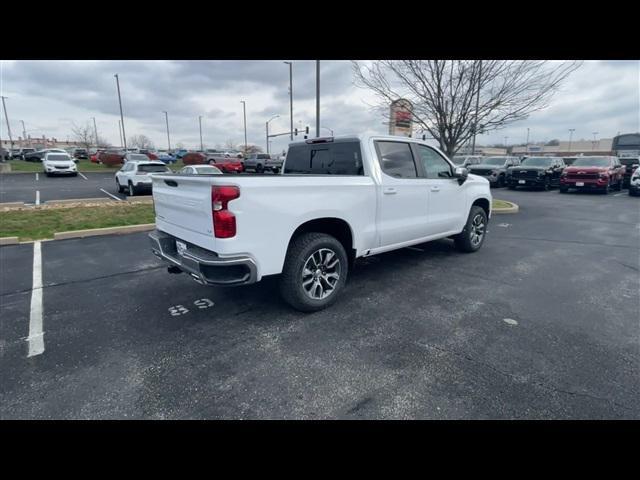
<point x="522" y="182"/>
<point x="181" y="247"/>
<point x="579" y="184"/>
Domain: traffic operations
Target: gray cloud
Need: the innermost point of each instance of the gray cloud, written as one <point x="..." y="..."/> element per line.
<point x="50" y="95"/>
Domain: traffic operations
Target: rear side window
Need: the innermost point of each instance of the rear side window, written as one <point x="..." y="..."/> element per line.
<point x="396" y="159"/>
<point x="152" y="168"/>
<point x="340" y="158"/>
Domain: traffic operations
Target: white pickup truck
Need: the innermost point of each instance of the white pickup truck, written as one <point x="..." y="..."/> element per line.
<point x="337" y="199"/>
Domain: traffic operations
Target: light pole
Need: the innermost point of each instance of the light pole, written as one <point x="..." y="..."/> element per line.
<point x="267" y="126"/>
<point x="571" y="130"/>
<point x="120" y="131"/>
<point x="166" y="117"/>
<point x="95" y="131"/>
<point x="475" y="123"/>
<point x="24" y="134"/>
<point x="291" y="95"/>
<point x="124" y="136"/>
<point x="244" y="111"/>
<point x="527" y="139"/>
<point x="7" y="119"/>
<point x="327" y="128"/>
<point x="317" y="98"/>
<point x="200" y="120"/>
<point x="593" y="147"/>
<point x="506" y="147"/>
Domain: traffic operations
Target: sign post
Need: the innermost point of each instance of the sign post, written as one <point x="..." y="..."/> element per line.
<point x="401" y="118"/>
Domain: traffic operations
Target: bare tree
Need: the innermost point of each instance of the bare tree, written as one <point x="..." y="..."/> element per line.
<point x="140" y="141"/>
<point x="253" y="149"/>
<point x="83" y="135"/>
<point x="230" y="145"/>
<point x="444" y="93"/>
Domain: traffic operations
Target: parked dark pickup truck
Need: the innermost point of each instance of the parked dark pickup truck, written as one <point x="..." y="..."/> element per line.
<point x="543" y="172"/>
<point x="593" y="173"/>
<point x="494" y="169"/>
<point x="630" y="164"/>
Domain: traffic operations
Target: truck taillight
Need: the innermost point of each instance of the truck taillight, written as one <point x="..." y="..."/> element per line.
<point x="224" y="222"/>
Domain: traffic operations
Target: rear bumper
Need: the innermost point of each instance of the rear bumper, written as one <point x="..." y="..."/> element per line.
<point x="204" y="266"/>
<point x="587" y="184"/>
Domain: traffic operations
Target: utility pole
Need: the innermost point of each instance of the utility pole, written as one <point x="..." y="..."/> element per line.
<point x="317" y="98"/>
<point x="95" y="130"/>
<point x="291" y="95"/>
<point x="475" y="123"/>
<point x="200" y="120"/>
<point x="571" y="130"/>
<point x="124" y="136"/>
<point x="166" y="116"/>
<point x="244" y="110"/>
<point x="506" y="147"/>
<point x="120" y="131"/>
<point x="8" y="125"/>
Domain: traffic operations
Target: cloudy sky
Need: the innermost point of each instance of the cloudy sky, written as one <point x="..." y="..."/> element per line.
<point x="50" y="96"/>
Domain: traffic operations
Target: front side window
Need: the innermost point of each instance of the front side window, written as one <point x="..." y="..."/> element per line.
<point x="396" y="159"/>
<point x="434" y="165"/>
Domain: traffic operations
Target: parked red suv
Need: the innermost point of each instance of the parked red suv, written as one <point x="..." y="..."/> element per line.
<point x="593" y="173"/>
<point x="111" y="157"/>
<point x="226" y="164"/>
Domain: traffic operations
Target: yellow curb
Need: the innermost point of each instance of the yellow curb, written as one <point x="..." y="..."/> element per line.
<point x="512" y="209"/>
<point x="9" y="240"/>
<point x="93" y="232"/>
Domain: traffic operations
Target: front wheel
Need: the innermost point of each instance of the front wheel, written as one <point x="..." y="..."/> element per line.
<point x="619" y="187"/>
<point x="314" y="273"/>
<point x="131" y="190"/>
<point x="472" y="237"/>
<point x="259" y="168"/>
<point x="546" y="186"/>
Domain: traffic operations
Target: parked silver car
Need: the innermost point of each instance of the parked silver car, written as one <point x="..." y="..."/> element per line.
<point x="257" y="162"/>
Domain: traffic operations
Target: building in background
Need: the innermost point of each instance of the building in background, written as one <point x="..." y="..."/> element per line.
<point x="564" y="148"/>
<point x="38" y="143"/>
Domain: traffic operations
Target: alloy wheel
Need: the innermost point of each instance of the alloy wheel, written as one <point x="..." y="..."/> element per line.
<point x="321" y="273"/>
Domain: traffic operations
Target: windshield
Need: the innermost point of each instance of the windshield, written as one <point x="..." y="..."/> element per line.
<point x="458" y="160"/>
<point x="137" y="156"/>
<point x="493" y="161"/>
<point x="58" y="157"/>
<point x="153" y="168"/>
<point x="207" y="170"/>
<point x="591" y="162"/>
<point x="629" y="161"/>
<point x="537" y="162"/>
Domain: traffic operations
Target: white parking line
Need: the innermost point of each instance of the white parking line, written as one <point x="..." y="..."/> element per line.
<point x="37" y="197"/>
<point x="112" y="196"/>
<point x="80" y="173"/>
<point x="36" y="177"/>
<point x="36" y="335"/>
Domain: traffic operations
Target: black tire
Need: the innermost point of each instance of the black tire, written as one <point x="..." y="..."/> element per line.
<point x="120" y="189"/>
<point x="619" y="187"/>
<point x="131" y="191"/>
<point x="500" y="181"/>
<point x="298" y="255"/>
<point x="464" y="241"/>
<point x="546" y="186"/>
<point x="563" y="189"/>
<point x="259" y="168"/>
<point x="275" y="170"/>
<point x="511" y="187"/>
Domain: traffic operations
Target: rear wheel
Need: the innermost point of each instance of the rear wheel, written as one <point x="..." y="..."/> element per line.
<point x="563" y="189"/>
<point x="472" y="237"/>
<point x="314" y="272"/>
<point x="131" y="191"/>
<point x="259" y="168"/>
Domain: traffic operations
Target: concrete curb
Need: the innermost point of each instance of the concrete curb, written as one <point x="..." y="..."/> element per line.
<point x="104" y="231"/>
<point x="140" y="199"/>
<point x="9" y="240"/>
<point x="11" y="204"/>
<point x="79" y="200"/>
<point x="512" y="209"/>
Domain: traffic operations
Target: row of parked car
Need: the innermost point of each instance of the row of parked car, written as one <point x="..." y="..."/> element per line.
<point x="597" y="173"/>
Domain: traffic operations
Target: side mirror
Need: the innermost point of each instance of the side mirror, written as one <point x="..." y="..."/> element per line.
<point x="461" y="174"/>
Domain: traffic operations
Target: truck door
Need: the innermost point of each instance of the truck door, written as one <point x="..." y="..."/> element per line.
<point x="446" y="197"/>
<point x="402" y="213"/>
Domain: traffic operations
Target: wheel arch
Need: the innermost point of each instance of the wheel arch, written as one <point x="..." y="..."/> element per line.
<point x="336" y="227"/>
<point x="483" y="203"/>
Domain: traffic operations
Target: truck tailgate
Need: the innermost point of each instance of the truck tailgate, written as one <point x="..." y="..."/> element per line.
<point x="183" y="208"/>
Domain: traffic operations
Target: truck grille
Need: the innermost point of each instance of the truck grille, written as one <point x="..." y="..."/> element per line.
<point x="583" y="176"/>
<point x="484" y="173"/>
<point x="524" y="174"/>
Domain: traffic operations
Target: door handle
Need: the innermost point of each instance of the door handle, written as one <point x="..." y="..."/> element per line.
<point x="389" y="191"/>
<point x="435" y="189"/>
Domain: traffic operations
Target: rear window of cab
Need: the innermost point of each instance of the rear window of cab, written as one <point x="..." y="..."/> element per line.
<point x="331" y="158"/>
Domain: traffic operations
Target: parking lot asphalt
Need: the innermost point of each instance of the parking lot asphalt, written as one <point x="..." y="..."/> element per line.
<point x="541" y="323"/>
<point x="27" y="187"/>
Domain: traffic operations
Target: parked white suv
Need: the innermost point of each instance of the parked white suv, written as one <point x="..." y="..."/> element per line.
<point x="337" y="199"/>
<point x="57" y="163"/>
<point x="134" y="177"/>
